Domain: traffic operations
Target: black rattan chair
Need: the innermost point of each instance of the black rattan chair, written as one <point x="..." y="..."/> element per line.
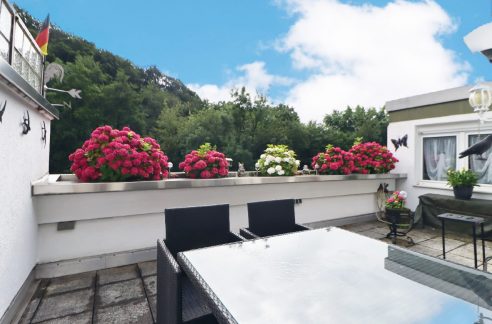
<point x="175" y="291"/>
<point x="196" y="227"/>
<point x="187" y="229"/>
<point x="268" y="218"/>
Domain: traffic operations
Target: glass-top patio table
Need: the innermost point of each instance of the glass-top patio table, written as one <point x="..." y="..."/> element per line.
<point x="334" y="276"/>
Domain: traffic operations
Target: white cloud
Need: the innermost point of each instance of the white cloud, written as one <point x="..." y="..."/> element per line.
<point x="252" y="76"/>
<point x="364" y="54"/>
<point x="355" y="55"/>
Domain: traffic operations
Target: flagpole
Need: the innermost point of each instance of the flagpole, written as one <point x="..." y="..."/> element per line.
<point x="43" y="90"/>
<point x="42" y="40"/>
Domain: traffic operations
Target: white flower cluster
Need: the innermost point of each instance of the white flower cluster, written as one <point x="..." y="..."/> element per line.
<point x="277" y="161"/>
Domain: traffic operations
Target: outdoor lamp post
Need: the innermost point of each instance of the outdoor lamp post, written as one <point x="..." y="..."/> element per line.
<point x="480" y="99"/>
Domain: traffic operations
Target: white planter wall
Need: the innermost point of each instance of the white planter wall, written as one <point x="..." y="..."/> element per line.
<point x="110" y="222"/>
<point x="23" y="159"/>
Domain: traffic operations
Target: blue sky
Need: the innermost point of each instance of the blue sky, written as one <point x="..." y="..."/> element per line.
<point x="317" y="55"/>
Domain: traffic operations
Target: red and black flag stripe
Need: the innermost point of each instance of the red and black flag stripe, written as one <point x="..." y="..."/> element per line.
<point x="44" y="36"/>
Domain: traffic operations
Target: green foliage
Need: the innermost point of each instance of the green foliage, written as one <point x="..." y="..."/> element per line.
<point x="462" y="178"/>
<point x="204" y="148"/>
<point x="118" y="93"/>
<point x="370" y="124"/>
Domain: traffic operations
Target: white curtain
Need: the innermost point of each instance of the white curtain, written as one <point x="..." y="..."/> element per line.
<point x="439" y="157"/>
<point x="483" y="168"/>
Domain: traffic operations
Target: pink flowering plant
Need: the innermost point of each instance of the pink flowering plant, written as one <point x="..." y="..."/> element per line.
<point x="205" y="163"/>
<point x="333" y="161"/>
<point x="396" y="200"/>
<point x="119" y="155"/>
<point x="372" y="157"/>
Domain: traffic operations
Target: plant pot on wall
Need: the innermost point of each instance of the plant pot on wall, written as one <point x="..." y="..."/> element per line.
<point x="463" y="192"/>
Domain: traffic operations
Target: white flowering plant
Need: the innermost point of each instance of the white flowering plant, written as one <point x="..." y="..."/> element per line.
<point x="277" y="160"/>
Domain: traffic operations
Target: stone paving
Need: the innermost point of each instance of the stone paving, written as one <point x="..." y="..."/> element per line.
<point x="459" y="248"/>
<point x="117" y="295"/>
<point x="128" y="294"/>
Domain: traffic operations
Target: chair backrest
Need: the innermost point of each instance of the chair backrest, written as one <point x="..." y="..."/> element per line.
<point x="196" y="227"/>
<point x="169" y="303"/>
<point x="271" y="217"/>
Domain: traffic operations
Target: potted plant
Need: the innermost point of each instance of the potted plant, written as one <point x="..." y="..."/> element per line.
<point x="205" y="163"/>
<point x="277" y="160"/>
<point x="395" y="204"/>
<point x="119" y="155"/>
<point x="333" y="161"/>
<point x="372" y="158"/>
<point x="462" y="182"/>
<point x="397" y="215"/>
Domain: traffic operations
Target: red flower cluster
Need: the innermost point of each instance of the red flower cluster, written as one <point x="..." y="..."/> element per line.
<point x="205" y="163"/>
<point x="333" y="161"/>
<point x="372" y="157"/>
<point x="119" y="155"/>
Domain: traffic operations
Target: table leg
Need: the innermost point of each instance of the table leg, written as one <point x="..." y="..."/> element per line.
<point x="475" y="245"/>
<point x="483" y="245"/>
<point x="443" y="243"/>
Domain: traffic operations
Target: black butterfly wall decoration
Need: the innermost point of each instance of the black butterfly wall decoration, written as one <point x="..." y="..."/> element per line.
<point x="3" y="110"/>
<point x="400" y="142"/>
<point x="26" y="124"/>
<point x="43" y="133"/>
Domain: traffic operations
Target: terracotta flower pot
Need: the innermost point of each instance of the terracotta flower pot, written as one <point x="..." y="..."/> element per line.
<point x="463" y="192"/>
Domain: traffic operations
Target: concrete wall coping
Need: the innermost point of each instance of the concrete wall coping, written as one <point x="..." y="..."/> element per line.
<point x="68" y="183"/>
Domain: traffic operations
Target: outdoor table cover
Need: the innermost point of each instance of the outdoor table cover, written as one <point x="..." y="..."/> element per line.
<point x="431" y="205"/>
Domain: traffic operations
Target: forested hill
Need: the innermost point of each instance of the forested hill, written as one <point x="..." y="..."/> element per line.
<point x="116" y="92"/>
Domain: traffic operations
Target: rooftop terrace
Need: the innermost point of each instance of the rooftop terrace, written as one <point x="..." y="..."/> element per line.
<point x="127" y="294"/>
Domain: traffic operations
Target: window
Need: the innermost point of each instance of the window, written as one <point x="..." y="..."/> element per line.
<point x="5" y="29"/>
<point x="439" y="155"/>
<point x="482" y="165"/>
<point x="26" y="56"/>
<point x="27" y="59"/>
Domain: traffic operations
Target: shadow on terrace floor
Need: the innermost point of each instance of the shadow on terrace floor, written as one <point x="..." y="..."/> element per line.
<point x="128" y="294"/>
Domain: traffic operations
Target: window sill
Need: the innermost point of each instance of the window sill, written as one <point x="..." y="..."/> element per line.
<point x="484" y="188"/>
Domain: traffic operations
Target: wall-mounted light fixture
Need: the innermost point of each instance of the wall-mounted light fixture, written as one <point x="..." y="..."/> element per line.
<point x="480" y="99"/>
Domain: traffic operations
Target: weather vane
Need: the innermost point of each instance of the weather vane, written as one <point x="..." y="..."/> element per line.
<point x="55" y="71"/>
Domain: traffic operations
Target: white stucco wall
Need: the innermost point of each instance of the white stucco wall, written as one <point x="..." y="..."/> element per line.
<point x="109" y="222"/>
<point x="411" y="157"/>
<point x="23" y="158"/>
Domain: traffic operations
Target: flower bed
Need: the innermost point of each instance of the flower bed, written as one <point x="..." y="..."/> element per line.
<point x="278" y="160"/>
<point x="118" y="155"/>
<point x="205" y="163"/>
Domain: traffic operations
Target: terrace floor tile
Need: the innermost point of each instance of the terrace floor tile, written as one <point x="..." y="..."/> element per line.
<point x="150" y="284"/>
<point x="137" y="311"/>
<point x="436" y="243"/>
<point x="61" y="305"/>
<point x="117" y="274"/>
<point x="148" y="268"/>
<point x="83" y="318"/>
<point x="71" y="283"/>
<point x="119" y="292"/>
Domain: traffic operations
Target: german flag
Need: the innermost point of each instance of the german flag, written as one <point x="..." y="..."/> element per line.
<point x="44" y="35"/>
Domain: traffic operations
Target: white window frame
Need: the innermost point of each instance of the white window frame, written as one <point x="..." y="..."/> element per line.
<point x="461" y="130"/>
